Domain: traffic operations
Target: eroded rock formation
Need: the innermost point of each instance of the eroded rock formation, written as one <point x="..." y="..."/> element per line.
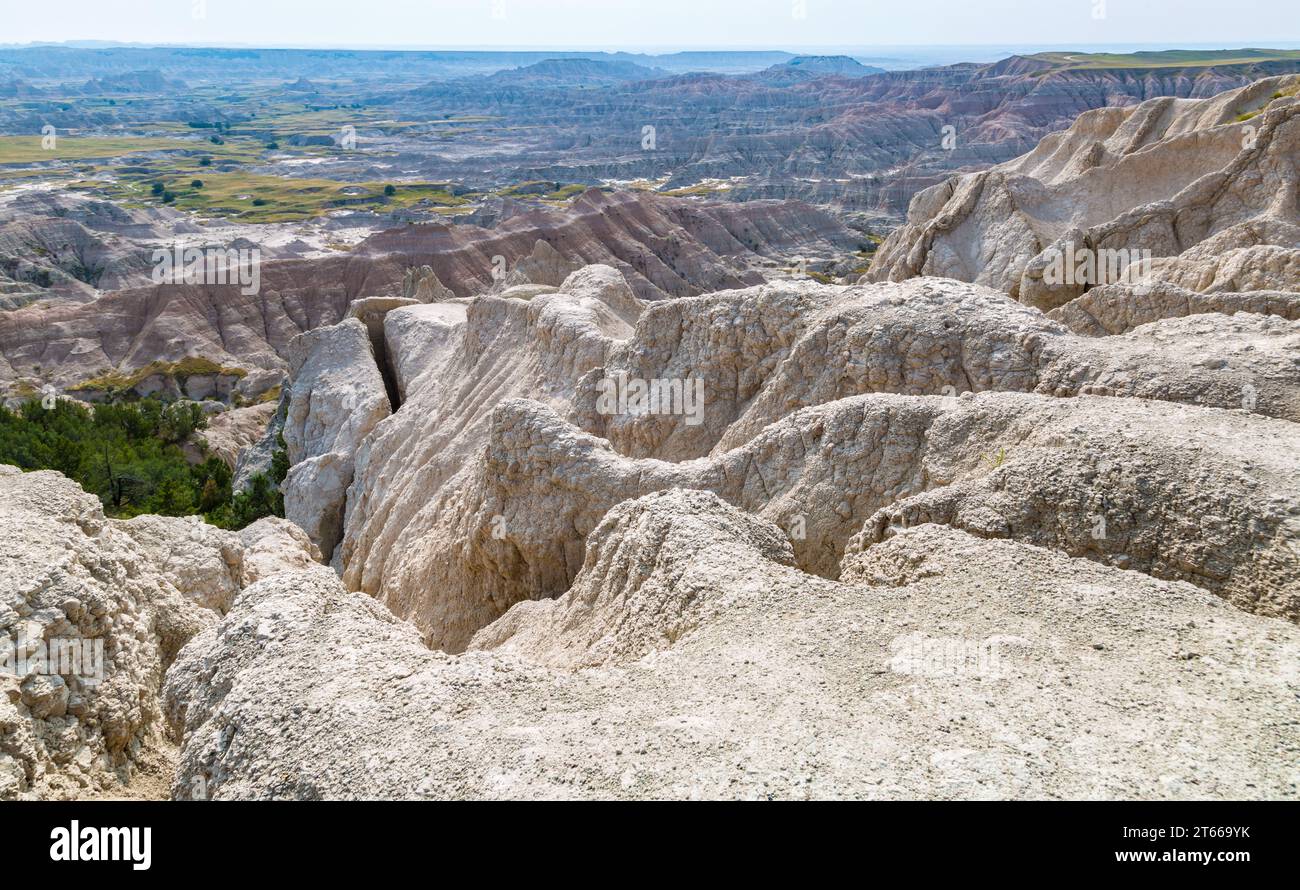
<point x="912" y="538"/>
<point x="664" y="246"/>
<point x="1206" y="187"/>
<point x="92" y="613"/>
<point x="337" y="398"/>
<point x="480" y="492"/>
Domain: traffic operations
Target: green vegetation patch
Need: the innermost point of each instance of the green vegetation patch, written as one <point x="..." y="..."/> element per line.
<point x="565" y="192"/>
<point x="130" y="457"/>
<point x="540" y="188"/>
<point x="28" y="150"/>
<point x="692" y="191"/>
<point x="120" y="383"/>
<point x="259" y="198"/>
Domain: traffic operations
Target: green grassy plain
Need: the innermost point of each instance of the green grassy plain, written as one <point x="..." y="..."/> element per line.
<point x="28" y="150"/>
<point x="159" y="164"/>
<point x="1174" y="58"/>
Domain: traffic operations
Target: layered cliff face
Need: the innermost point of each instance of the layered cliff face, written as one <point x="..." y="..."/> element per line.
<point x="64" y="246"/>
<point x="861" y="144"/>
<point x="1194" y="197"/>
<point x="663" y="246"/>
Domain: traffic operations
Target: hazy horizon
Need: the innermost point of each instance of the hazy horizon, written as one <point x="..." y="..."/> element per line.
<point x="659" y="25"/>
<point x="660" y="50"/>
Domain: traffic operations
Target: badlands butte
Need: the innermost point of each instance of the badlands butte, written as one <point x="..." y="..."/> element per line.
<point x="952" y="526"/>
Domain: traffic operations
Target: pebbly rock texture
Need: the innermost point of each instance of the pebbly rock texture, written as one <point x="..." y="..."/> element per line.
<point x="1174" y="492"/>
<point x="1201" y="184"/>
<point x="92" y="613"/>
<point x="86" y="631"/>
<point x="1117" y="308"/>
<point x="943" y="666"/>
<point x="205" y="562"/>
<point x="272" y="545"/>
<point x="210" y="565"/>
<point x="337" y="397"/>
<point x="87" y="628"/>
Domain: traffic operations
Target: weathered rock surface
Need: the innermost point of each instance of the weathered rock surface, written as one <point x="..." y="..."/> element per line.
<point x="638" y="591"/>
<point x="1118" y="308"/>
<point x="1207" y="186"/>
<point x="205" y="562"/>
<point x="717" y="670"/>
<point x="822" y="471"/>
<point x="503" y="348"/>
<point x="469" y="500"/>
<point x="419" y="339"/>
<point x="272" y="545"/>
<point x="545" y="265"/>
<point x="372" y="312"/>
<point x="337" y="397"/>
<point x="76" y="584"/>
<point x="92" y="613"/>
<point x="210" y="565"/>
<point x="939" y="337"/>
<point x="422" y="286"/>
<point x="230" y="432"/>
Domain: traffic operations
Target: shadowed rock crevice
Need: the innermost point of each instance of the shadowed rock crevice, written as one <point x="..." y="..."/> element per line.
<point x="372" y="311"/>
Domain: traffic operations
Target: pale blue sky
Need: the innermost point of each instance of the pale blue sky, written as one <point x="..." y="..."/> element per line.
<point x="659" y="24"/>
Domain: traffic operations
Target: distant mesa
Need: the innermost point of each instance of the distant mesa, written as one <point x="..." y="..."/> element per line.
<point x="131" y="82"/>
<point x="579" y="72"/>
<point x="826" y="66"/>
<point x="13" y="89"/>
